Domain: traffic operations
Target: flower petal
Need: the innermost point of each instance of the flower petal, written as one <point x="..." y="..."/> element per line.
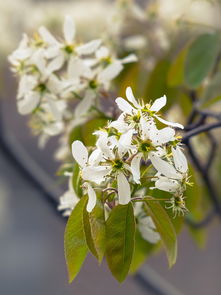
<point x="124" y="106"/>
<point x="95" y="173"/>
<point x="79" y="152"/>
<point x="135" y="167"/>
<point x="167" y="185"/>
<point x="28" y="103"/>
<point x="164" y="167"/>
<point x="124" y="143"/>
<point x="92" y="198"/>
<point x="54" y="128"/>
<point x="85" y="104"/>
<point x="110" y="72"/>
<point x="162" y="136"/>
<point x="69" y="29"/>
<point x="147" y="230"/>
<point x="77" y="68"/>
<point x="88" y="48"/>
<point x="159" y="103"/>
<point x="131" y="98"/>
<point x="128" y="59"/>
<point x="47" y="36"/>
<point x="177" y="125"/>
<point x="180" y="160"/>
<point x="123" y="187"/>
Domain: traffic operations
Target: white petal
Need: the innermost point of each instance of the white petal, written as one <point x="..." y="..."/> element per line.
<point x="177" y="125"/>
<point x="145" y="128"/>
<point x="55" y="64"/>
<point x="179" y="160"/>
<point x="85" y="104"/>
<point x="54" y="108"/>
<point x="124" y="106"/>
<point x="26" y="84"/>
<point x="148" y="233"/>
<point x="89" y="47"/>
<point x="125" y="142"/>
<point x="131" y="98"/>
<point x="91" y="198"/>
<point x="158" y="104"/>
<point x="28" y="103"/>
<point x="102" y="144"/>
<point x="162" y="136"/>
<point x="53" y="129"/>
<point x="95" y="157"/>
<point x="47" y="36"/>
<point x="164" y="167"/>
<point x="123" y="187"/>
<point x="69" y="29"/>
<point x="95" y="173"/>
<point x="119" y="124"/>
<point x="39" y="60"/>
<point x="110" y="72"/>
<point x="80" y="153"/>
<point x="135" y="167"/>
<point x="128" y="59"/>
<point x="102" y="52"/>
<point x="52" y="51"/>
<point x="77" y="68"/>
<point x="166" y="184"/>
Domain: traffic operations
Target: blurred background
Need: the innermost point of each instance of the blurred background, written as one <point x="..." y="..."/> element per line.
<point x="31" y="234"/>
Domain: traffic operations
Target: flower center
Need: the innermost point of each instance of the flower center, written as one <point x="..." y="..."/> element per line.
<point x="93" y="84"/>
<point x="117" y="164"/>
<point x="69" y="49"/>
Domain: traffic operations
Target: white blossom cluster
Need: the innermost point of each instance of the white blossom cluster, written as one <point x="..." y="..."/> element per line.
<point x="55" y="72"/>
<point x="125" y="150"/>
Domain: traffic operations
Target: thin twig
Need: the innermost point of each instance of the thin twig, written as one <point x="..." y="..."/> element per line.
<point x="199" y="130"/>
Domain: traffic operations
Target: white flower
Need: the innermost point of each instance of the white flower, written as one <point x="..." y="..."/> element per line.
<point x="157" y="137"/>
<point x="90" y="169"/>
<point x="134" y="108"/>
<point x="169" y="178"/>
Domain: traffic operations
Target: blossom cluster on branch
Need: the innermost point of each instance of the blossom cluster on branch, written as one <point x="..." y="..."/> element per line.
<point x="120" y="166"/>
<point x="127" y="187"/>
<point x="54" y="73"/>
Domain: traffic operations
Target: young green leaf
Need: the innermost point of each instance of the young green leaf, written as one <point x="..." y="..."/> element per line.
<point x="165" y="228"/>
<point x="201" y="58"/>
<point x="176" y="72"/>
<point x="95" y="232"/>
<point x="75" y="246"/>
<point x="120" y="235"/>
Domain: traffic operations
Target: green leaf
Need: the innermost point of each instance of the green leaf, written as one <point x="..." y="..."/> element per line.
<point x="142" y="251"/>
<point x="95" y="231"/>
<point x="76" y="180"/>
<point x="88" y="128"/>
<point x="75" y="246"/>
<point x="157" y="84"/>
<point x="165" y="228"/>
<point x="129" y="78"/>
<point x="75" y="134"/>
<point x="177" y="222"/>
<point x="120" y="234"/>
<point x="201" y="58"/>
<point x="213" y="90"/>
<point x="176" y="72"/>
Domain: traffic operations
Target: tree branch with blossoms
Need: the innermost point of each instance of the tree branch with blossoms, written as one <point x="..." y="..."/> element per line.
<point x="129" y="186"/>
